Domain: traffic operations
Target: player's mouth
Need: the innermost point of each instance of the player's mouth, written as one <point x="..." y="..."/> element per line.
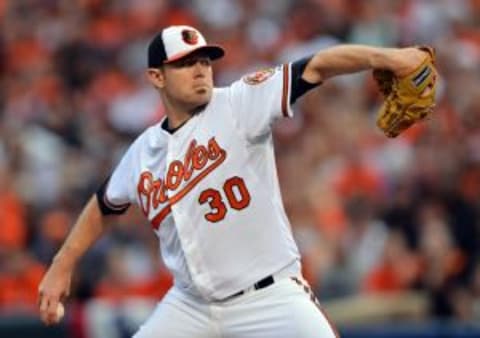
<point x="200" y="87"/>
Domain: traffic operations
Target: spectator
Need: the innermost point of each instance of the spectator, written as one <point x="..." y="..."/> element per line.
<point x="69" y="104"/>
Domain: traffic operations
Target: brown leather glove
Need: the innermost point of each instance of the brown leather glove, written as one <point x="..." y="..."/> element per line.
<point x="408" y="99"/>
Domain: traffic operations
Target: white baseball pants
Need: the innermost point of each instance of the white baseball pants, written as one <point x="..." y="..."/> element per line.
<point x="286" y="309"/>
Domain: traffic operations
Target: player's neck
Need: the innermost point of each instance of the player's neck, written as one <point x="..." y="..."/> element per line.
<point x="178" y="114"/>
<point x="175" y="120"/>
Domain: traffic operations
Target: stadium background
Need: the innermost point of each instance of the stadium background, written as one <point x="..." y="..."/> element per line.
<point x="389" y="229"/>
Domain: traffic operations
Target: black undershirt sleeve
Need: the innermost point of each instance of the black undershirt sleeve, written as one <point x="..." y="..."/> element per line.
<point x="107" y="208"/>
<point x="298" y="85"/>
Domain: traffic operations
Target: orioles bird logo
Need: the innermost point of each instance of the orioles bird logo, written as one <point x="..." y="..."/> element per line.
<point x="190" y="37"/>
<point x="259" y="76"/>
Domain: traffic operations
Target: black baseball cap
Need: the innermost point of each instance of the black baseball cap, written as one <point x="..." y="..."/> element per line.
<point x="176" y="42"/>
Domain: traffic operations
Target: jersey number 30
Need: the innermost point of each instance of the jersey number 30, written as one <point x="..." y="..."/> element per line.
<point x="237" y="195"/>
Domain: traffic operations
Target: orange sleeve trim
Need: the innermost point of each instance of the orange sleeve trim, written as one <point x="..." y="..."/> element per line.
<point x="114" y="206"/>
<point x="106" y="206"/>
<point x="285" y="98"/>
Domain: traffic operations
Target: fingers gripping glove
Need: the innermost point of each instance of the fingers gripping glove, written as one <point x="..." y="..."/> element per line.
<point x="408" y="99"/>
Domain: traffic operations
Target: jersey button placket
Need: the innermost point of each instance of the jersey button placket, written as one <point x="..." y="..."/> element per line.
<point x="190" y="249"/>
<point x="183" y="224"/>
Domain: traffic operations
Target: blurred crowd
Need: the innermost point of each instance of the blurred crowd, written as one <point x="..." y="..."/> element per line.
<point x="370" y="214"/>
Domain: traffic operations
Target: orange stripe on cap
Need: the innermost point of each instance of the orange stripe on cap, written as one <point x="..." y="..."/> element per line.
<point x="285" y="90"/>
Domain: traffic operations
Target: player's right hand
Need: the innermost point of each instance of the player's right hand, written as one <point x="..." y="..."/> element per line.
<point x="406" y="60"/>
<point x="53" y="288"/>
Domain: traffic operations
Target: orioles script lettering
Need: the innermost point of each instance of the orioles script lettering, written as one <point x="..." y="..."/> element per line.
<point x="198" y="162"/>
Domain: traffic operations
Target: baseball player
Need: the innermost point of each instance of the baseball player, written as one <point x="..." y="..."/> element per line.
<point x="205" y="177"/>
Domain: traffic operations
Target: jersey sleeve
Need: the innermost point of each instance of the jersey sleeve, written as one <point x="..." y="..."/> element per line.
<point x="116" y="193"/>
<point x="260" y="98"/>
<point x="298" y="84"/>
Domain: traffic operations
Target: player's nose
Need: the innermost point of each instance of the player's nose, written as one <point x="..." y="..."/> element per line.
<point x="199" y="70"/>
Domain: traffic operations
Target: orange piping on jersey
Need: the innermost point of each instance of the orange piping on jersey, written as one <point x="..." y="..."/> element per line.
<point x="157" y="220"/>
<point x="114" y="206"/>
<point x="285" y="90"/>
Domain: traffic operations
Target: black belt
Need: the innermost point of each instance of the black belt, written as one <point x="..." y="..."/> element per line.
<point x="263" y="283"/>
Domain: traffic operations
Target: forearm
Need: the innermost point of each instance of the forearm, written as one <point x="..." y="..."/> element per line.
<point x="346" y="59"/>
<point x="88" y="228"/>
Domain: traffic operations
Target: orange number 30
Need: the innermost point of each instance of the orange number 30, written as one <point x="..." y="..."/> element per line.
<point x="237" y="195"/>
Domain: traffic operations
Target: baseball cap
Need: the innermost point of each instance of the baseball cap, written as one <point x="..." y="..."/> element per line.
<point x="176" y="42"/>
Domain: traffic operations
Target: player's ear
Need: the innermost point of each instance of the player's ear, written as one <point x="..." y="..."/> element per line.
<point x="156" y="76"/>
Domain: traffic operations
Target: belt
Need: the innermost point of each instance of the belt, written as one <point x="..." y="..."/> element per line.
<point x="263" y="283"/>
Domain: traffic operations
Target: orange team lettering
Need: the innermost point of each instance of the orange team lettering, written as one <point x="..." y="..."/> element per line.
<point x="153" y="192"/>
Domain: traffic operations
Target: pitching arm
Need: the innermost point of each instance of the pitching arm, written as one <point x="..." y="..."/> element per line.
<point x="347" y="59"/>
<point x="55" y="284"/>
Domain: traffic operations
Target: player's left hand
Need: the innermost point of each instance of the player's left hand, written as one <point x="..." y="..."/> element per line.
<point x="54" y="287"/>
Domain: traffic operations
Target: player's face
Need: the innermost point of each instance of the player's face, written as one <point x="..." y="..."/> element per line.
<point x="188" y="81"/>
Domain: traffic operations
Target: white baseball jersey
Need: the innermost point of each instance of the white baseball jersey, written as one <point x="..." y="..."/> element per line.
<point x="210" y="189"/>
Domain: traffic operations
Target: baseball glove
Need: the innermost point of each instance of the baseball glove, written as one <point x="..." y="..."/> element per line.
<point x="408" y="99"/>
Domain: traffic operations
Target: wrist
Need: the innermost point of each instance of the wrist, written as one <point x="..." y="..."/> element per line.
<point x="64" y="259"/>
<point x="382" y="58"/>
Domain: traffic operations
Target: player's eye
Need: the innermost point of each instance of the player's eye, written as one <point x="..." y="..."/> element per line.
<point x="181" y="63"/>
<point x="205" y="61"/>
<point x="190" y="62"/>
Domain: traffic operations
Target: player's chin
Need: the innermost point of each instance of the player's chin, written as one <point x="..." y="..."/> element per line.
<point x="202" y="95"/>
